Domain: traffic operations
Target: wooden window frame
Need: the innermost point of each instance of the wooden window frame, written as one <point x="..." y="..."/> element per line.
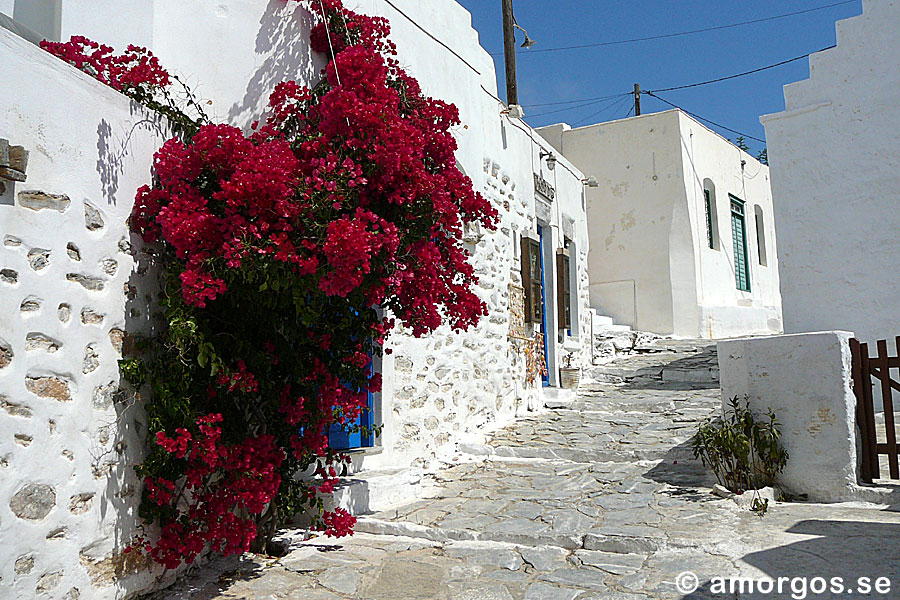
<point x="564" y="289"/>
<point x="531" y="248"/>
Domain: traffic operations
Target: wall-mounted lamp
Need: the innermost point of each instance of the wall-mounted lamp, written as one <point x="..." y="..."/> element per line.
<point x="591" y="182"/>
<point x="528" y="43"/>
<point x="515" y="111"/>
<point x="13" y="161"/>
<point x="551" y="159"/>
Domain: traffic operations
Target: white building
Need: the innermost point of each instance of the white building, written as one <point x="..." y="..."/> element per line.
<point x="681" y="227"/>
<point x="72" y="285"/>
<point x="835" y="152"/>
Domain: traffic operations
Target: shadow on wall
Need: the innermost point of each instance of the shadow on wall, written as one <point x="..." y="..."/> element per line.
<point x="123" y="441"/>
<point x="284" y="37"/>
<point x="849" y="550"/>
<point x="113" y="149"/>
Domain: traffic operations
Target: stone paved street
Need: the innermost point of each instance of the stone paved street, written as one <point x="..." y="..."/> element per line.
<point x="598" y="498"/>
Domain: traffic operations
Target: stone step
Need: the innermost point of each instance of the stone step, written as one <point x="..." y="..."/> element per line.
<point x="613" y="539"/>
<point x="600" y="321"/>
<point x="374" y="490"/>
<point x="577" y="455"/>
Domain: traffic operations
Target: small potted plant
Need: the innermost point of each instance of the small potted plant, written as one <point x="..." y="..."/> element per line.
<point x="569" y="375"/>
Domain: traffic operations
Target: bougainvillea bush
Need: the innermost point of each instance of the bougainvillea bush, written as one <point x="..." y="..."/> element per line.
<point x="288" y="253"/>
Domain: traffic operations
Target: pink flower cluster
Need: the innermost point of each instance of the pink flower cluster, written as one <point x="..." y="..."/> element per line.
<point x="136" y="68"/>
<point x="220" y="482"/>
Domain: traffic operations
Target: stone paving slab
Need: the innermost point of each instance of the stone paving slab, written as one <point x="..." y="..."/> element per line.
<point x="597" y="499"/>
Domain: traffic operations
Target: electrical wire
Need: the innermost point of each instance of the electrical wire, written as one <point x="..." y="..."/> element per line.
<point x="710" y="121"/>
<point x="599" y="98"/>
<point x="616" y="108"/>
<point x="745" y="73"/>
<point x="585" y="105"/>
<point x="685" y="86"/>
<point x="683" y="33"/>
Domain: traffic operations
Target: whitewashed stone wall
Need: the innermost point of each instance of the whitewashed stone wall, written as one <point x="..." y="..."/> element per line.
<point x="806" y="380"/>
<point x="71" y="286"/>
<point x="69" y="431"/>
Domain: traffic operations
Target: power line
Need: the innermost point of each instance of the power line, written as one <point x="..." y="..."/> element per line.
<point x="599" y="98"/>
<point x="710" y="121"/>
<point x="683" y="33"/>
<point x="616" y="106"/>
<point x="689" y="85"/>
<point x="585" y="105"/>
<point x="778" y="64"/>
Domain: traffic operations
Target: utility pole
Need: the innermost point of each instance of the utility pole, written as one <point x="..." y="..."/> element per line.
<point x="637" y="99"/>
<point x="509" y="50"/>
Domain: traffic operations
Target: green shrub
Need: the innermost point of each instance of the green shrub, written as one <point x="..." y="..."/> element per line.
<point x="745" y="454"/>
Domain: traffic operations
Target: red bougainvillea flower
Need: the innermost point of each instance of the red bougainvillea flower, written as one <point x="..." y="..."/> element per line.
<point x="276" y="247"/>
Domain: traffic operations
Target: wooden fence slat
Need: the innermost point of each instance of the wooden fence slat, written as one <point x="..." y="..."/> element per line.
<point x="869" y="446"/>
<point x="865" y="454"/>
<point x="893" y="362"/>
<point x="888" y="400"/>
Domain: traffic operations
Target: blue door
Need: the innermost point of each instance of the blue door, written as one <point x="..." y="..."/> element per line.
<point x="545" y="377"/>
<point x="339" y="439"/>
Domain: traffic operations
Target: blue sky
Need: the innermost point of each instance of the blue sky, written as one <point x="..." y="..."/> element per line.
<point x="594" y="72"/>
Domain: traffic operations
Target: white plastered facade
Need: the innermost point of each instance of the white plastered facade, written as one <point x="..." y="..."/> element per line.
<point x="651" y="266"/>
<point x="834" y="153"/>
<point x="90" y="144"/>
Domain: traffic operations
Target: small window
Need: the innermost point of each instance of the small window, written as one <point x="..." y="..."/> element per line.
<point x="739" y="234"/>
<point x="564" y="289"/>
<point x="532" y="278"/>
<point x="709" y="205"/>
<point x="761" y="236"/>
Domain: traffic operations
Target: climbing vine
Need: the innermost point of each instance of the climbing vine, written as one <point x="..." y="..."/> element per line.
<point x="287" y="255"/>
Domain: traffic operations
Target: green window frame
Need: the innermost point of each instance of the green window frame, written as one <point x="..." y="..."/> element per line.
<point x="709" y="223"/>
<point x="739" y="235"/>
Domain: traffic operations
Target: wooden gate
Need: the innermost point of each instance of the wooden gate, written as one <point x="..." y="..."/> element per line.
<point x="869" y="371"/>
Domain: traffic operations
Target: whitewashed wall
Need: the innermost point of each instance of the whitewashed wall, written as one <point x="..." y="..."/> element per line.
<point x="70" y="289"/>
<point x="834" y="153"/>
<point x="650" y="266"/>
<point x="446" y="387"/>
<point x="806" y="381"/>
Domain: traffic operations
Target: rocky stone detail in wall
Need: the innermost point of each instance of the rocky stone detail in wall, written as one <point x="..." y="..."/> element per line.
<point x="14" y="409"/>
<point x="30" y="305"/>
<point x="64" y="313"/>
<point x="49" y="387"/>
<point x="88" y="282"/>
<point x="107" y="570"/>
<point x="36" y="200"/>
<point x="38" y="258"/>
<point x="9" y="276"/>
<point x="40" y="342"/>
<point x="81" y="503"/>
<point x="48" y="582"/>
<point x="73" y="251"/>
<point x="24" y="564"/>
<point x="91" y="317"/>
<point x="450" y="385"/>
<point x="92" y="219"/>
<point x="91" y="360"/>
<point x="33" y="502"/>
<point x="6" y="354"/>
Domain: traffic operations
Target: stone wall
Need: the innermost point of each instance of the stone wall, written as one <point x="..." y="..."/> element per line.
<point x="806" y="381"/>
<point x="72" y="289"/>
